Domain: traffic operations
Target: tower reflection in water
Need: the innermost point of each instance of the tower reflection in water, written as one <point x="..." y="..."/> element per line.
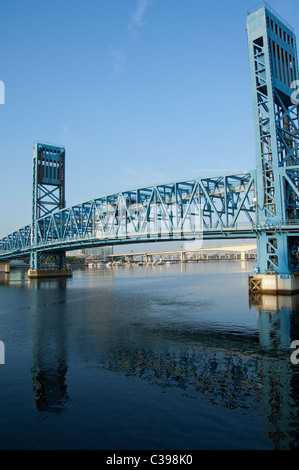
<point x="50" y="348"/>
<point x="250" y="372"/>
<point x="278" y="327"/>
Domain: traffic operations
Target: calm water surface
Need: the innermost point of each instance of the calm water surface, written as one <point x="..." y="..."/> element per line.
<point x="164" y="357"/>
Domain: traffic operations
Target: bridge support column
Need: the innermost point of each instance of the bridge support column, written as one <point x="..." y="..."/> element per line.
<point x="276" y="128"/>
<point x="49" y="273"/>
<point x="278" y="261"/>
<point x="48" y="265"/>
<point x="48" y="196"/>
<point x="4" y="268"/>
<point x="274" y="283"/>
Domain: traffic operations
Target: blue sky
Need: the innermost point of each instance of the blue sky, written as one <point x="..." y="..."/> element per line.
<point x="139" y="92"/>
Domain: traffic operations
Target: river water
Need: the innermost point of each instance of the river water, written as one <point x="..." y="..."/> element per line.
<point x="147" y="357"/>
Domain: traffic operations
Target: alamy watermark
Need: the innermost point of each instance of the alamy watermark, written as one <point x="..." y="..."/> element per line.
<point x="2" y="92"/>
<point x="295" y="94"/>
<point x="2" y="353"/>
<point x="294" y="358"/>
<point x="155" y="221"/>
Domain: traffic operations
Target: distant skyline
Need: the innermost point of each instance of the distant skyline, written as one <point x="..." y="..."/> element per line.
<point x="138" y="91"/>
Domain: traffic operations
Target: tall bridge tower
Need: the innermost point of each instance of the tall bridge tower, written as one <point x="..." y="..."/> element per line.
<point x="48" y="196"/>
<point x="274" y="80"/>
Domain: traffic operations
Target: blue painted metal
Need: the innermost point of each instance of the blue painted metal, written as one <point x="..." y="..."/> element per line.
<point x="214" y="207"/>
<point x="273" y="70"/>
<point x="48" y="196"/>
<point x="262" y="203"/>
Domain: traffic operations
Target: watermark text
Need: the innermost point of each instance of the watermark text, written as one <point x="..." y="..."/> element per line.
<point x="295" y="94"/>
<point x="294" y="358"/>
<point x="2" y="92"/>
<point x="2" y="353"/>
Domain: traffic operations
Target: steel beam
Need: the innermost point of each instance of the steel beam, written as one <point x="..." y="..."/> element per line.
<point x="48" y="196"/>
<point x="273" y="69"/>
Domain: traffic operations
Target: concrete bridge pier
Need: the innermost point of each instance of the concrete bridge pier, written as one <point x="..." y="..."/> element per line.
<point x="5" y="267"/>
<point x="49" y="273"/>
<point x="274" y="284"/>
<point x="148" y="258"/>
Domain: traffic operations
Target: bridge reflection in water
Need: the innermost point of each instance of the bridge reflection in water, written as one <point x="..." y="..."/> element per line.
<point x="247" y="372"/>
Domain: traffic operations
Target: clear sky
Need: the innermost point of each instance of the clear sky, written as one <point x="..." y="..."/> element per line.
<point x="138" y="91"/>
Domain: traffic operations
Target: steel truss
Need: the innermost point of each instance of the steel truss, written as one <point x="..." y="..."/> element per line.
<point x="220" y="207"/>
<point x="273" y="69"/>
<point x="17" y="242"/>
<point x="262" y="203"/>
<point x="47" y="197"/>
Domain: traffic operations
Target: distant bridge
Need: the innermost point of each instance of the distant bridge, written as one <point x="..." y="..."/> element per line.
<point x="184" y="254"/>
<point x="262" y="203"/>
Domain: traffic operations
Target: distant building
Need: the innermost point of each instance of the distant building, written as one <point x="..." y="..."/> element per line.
<point x="97" y="252"/>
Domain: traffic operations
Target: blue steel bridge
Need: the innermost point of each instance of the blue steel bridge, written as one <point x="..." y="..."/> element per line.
<point x="214" y="207"/>
<point x="261" y="203"/>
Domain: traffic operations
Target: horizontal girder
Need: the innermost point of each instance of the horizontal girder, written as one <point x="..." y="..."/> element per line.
<point x="202" y="208"/>
<point x="220" y="206"/>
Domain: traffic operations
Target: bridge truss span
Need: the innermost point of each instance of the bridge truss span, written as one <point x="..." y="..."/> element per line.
<point x="210" y="207"/>
<point x="181" y="209"/>
<point x="262" y="203"/>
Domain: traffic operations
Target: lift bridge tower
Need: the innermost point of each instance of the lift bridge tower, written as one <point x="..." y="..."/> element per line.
<point x="275" y="93"/>
<point x="48" y="196"/>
